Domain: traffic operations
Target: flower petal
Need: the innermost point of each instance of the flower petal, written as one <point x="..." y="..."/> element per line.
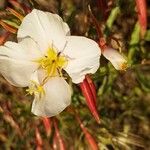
<point x="45" y="28"/>
<point x="117" y="60"/>
<point x="27" y="50"/>
<point x="57" y="97"/>
<point x="16" y="72"/>
<point x="84" y="55"/>
<point x="15" y="62"/>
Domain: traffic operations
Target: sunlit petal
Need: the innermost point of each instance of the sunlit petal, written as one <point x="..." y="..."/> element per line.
<point x="83" y="57"/>
<point x="45" y="28"/>
<point x="56" y="98"/>
<point x="16" y="62"/>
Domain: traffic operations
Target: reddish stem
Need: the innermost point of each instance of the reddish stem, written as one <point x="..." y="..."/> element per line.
<point x="39" y="141"/>
<point x="58" y="136"/>
<point x="96" y="24"/>
<point x="4" y="37"/>
<point x="8" y="28"/>
<point x="21" y="6"/>
<point x="55" y="142"/>
<point x="92" y="143"/>
<point x="48" y="125"/>
<point x="103" y="7"/>
<point x="15" y="13"/>
<point x="142" y="15"/>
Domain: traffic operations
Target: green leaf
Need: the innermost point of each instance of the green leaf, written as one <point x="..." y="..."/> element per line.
<point x="112" y="17"/>
<point x="135" y="39"/>
<point x="147" y="36"/>
<point x="13" y="24"/>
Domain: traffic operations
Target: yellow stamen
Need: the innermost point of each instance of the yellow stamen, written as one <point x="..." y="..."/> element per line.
<point x="52" y="63"/>
<point x="123" y="66"/>
<point x="61" y="61"/>
<point x="36" y="89"/>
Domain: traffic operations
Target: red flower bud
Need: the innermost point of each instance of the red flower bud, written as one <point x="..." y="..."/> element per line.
<point x="87" y="93"/>
<point x="92" y="87"/>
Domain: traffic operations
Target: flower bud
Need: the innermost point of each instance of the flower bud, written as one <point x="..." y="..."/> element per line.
<point x="92" y="87"/>
<point x="117" y="60"/>
<point x="87" y="93"/>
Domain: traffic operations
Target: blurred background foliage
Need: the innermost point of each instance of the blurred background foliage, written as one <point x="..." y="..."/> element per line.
<point x="123" y="98"/>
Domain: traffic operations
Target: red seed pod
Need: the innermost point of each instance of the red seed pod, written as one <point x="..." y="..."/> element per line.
<point x="87" y="93"/>
<point x="58" y="136"/>
<point x="91" y="141"/>
<point x="92" y="87"/>
<point x="48" y="125"/>
<point x="39" y="141"/>
<point x="142" y="15"/>
<point x="4" y="37"/>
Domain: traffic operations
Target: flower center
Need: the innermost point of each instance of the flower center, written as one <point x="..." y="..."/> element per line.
<point x="52" y="63"/>
<point x="123" y="66"/>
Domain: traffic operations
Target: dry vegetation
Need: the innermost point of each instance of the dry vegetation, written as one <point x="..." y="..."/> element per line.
<point x="123" y="97"/>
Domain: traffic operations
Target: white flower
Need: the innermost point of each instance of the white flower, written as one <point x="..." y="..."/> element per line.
<point x="44" y="51"/>
<point x="117" y="60"/>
